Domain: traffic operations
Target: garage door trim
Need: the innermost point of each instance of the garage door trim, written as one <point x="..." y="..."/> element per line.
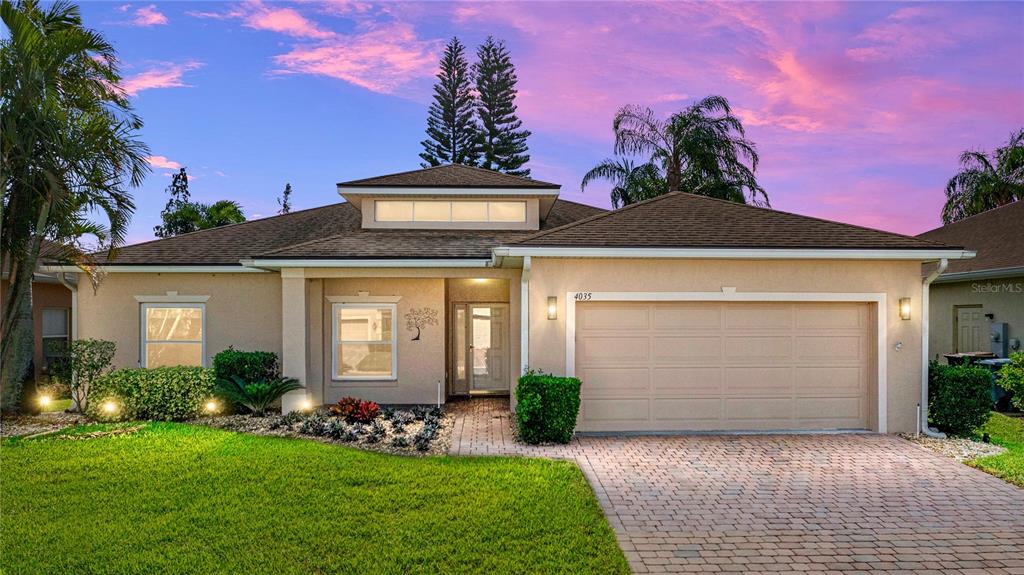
<point x="731" y="295"/>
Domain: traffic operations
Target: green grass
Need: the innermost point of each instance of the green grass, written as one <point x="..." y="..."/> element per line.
<point x="184" y="499"/>
<point x="1009" y="433"/>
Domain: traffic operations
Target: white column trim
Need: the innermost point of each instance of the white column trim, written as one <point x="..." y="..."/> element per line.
<point x="524" y="317"/>
<point x="571" y="297"/>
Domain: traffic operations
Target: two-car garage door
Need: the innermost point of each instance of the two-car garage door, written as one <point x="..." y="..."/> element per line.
<point x="665" y="366"/>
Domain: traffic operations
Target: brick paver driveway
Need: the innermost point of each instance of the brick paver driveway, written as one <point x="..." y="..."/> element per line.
<point x="783" y="503"/>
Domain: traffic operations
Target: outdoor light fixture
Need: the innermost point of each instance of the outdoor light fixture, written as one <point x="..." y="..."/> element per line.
<point x="211" y="406"/>
<point x="904" y="308"/>
<point x="307" y="405"/>
<point x="44" y="400"/>
<point x="110" y="407"/>
<point x="552" y="307"/>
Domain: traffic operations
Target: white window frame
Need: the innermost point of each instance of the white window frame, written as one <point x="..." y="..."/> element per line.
<point x="143" y="339"/>
<point x="335" y="307"/>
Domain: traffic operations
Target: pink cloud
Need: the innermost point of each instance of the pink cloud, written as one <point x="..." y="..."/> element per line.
<point x="149" y="16"/>
<point x="163" y="162"/>
<point x="162" y="75"/>
<point x="257" y="15"/>
<point x="380" y="58"/>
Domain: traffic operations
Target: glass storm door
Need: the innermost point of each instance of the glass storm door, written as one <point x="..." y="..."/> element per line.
<point x="481" y="354"/>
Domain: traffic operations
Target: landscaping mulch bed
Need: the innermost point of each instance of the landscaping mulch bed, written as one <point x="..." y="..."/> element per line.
<point x="321" y="425"/>
<point x="958" y="448"/>
<point x="20" y="425"/>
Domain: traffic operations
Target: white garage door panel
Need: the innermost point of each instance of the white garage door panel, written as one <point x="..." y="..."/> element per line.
<point x="669" y="366"/>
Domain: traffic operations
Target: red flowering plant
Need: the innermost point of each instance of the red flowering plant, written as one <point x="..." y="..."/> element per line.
<point x="354" y="410"/>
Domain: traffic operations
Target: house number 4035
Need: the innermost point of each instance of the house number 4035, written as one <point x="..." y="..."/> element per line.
<point x="583" y="296"/>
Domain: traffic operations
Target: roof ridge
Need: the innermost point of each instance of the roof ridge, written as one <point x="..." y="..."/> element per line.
<point x="450" y="165"/>
<point x="226" y="226"/>
<point x="986" y="212"/>
<point x="596" y="217"/>
<point x="814" y="218"/>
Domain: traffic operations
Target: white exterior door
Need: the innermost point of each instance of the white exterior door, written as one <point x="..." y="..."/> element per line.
<point x="667" y="366"/>
<point x="972" y="329"/>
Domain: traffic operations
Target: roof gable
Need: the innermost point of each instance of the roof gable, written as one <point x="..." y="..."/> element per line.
<point x="450" y="176"/>
<point x="682" y="220"/>
<point x="997" y="235"/>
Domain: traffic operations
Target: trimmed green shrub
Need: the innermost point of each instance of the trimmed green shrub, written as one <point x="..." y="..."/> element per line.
<point x="1011" y="377"/>
<point x="546" y="407"/>
<point x="251" y="366"/>
<point x="960" y="397"/>
<point x="163" y="393"/>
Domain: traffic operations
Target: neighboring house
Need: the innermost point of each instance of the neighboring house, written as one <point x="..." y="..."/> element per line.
<point x="971" y="297"/>
<point x="51" y="312"/>
<point x="678" y="313"/>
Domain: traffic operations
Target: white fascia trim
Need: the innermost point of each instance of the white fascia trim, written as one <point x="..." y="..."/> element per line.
<point x="730" y="253"/>
<point x="878" y="298"/>
<point x="172" y="297"/>
<point x="364" y="298"/>
<point x="518" y="192"/>
<point x="449" y="263"/>
<point x="980" y="275"/>
<point x="160" y="269"/>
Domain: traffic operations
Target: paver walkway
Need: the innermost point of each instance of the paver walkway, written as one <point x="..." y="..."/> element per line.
<point x="781" y="503"/>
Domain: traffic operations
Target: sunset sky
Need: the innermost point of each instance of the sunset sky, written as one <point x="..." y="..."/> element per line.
<point x="859" y="110"/>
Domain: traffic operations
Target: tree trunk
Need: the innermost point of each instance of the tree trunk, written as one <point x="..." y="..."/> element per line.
<point x="18" y="336"/>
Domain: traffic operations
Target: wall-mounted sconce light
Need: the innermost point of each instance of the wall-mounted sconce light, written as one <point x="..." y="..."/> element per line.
<point x="552" y="307"/>
<point x="904" y="308"/>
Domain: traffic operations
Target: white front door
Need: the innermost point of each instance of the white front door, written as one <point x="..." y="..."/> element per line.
<point x="487" y="353"/>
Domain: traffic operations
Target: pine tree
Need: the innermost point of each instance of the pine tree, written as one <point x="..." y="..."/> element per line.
<point x="452" y="133"/>
<point x="285" y="201"/>
<point x="503" y="141"/>
<point x="177" y="216"/>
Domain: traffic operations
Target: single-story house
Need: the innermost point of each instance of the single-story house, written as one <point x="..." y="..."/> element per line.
<point x="973" y="299"/>
<point x="51" y="311"/>
<point x="678" y="313"/>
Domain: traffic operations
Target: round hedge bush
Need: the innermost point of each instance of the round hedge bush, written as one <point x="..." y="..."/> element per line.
<point x="960" y="397"/>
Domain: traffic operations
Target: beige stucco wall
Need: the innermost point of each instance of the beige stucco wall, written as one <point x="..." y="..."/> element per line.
<point x="421" y="363"/>
<point x="1003" y="297"/>
<point x="556" y="276"/>
<point x="244" y="310"/>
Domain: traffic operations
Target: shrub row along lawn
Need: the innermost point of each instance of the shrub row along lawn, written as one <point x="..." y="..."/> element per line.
<point x="174" y="498"/>
<point x="1009" y="433"/>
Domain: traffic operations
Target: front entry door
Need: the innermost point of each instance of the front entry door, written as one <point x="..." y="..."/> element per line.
<point x="481" y="348"/>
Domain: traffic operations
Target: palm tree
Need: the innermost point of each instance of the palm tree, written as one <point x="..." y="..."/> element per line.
<point x="220" y="213"/>
<point x="985" y="182"/>
<point x="67" y="135"/>
<point x="701" y="149"/>
<point x="631" y="183"/>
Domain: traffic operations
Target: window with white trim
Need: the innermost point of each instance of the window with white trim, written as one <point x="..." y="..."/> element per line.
<point x="56" y="334"/>
<point x="365" y="341"/>
<point x="449" y="211"/>
<point x="173" y="334"/>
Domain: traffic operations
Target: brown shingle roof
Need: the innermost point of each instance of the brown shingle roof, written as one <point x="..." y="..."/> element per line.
<point x="681" y="220"/>
<point x="997" y="235"/>
<point x="450" y="176"/>
<point x="328" y="231"/>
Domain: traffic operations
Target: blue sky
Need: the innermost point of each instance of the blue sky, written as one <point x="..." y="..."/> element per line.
<point x="859" y="110"/>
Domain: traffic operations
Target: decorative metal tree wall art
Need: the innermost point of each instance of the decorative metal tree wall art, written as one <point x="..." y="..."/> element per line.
<point x="419" y="318"/>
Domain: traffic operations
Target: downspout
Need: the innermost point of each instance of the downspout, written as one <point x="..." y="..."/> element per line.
<point x="524" y="318"/>
<point x="925" y="357"/>
<point x="73" y="288"/>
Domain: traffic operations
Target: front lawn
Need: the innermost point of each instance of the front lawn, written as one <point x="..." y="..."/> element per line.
<point x="174" y="498"/>
<point x="1009" y="433"/>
